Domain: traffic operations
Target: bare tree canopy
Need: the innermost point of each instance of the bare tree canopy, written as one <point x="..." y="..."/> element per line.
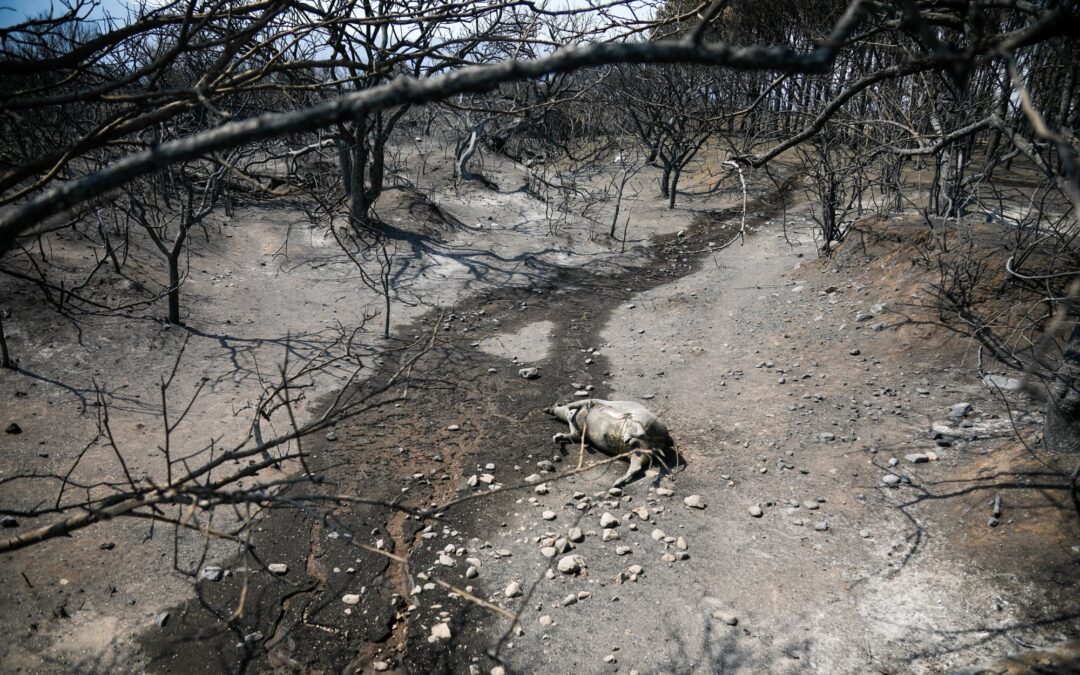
<point x="269" y="24"/>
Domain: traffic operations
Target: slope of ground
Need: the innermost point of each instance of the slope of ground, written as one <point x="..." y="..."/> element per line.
<point x="789" y="386"/>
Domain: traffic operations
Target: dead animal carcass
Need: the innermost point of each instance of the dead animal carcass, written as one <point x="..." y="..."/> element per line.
<point x="618" y="428"/>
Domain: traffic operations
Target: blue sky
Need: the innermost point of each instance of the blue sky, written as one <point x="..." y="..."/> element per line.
<point x="17" y="11"/>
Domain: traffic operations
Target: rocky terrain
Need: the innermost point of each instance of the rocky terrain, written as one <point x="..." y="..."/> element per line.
<point x="855" y="497"/>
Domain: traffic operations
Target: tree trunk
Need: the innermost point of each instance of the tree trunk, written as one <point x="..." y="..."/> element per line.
<point x="5" y="357"/>
<point x="360" y="204"/>
<point x="469" y="149"/>
<point x="345" y="164"/>
<point x="1062" y="429"/>
<point x="674" y="189"/>
<point x="618" y="204"/>
<point x="174" y="289"/>
<point x="665" y="179"/>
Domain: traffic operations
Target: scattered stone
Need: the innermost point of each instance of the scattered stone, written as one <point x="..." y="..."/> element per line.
<point x="161" y="619"/>
<point x="278" y="568"/>
<point x="960" y="410"/>
<point x="569" y="600"/>
<point x="680" y="544"/>
<point x="863" y="316"/>
<point x="546" y="620"/>
<point x="548" y="515"/>
<point x="608" y="521"/>
<point x="380" y="666"/>
<point x="694" y="501"/>
<point x="917" y="458"/>
<point x="445" y="560"/>
<point x="440" y="631"/>
<point x="826" y="437"/>
<point x="891" y="479"/>
<point x="622" y="550"/>
<point x="575" y="535"/>
<point x="642" y="512"/>
<point x="610" y="658"/>
<point x="726" y="617"/>
<point x="865" y="534"/>
<point x="549" y="552"/>
<point x="211" y="573"/>
<point x="529" y="373"/>
<point x="513" y="590"/>
<point x="635" y="569"/>
<point x="615" y="492"/>
<point x="811" y="505"/>
<point x="993" y="522"/>
<point x="9" y="521"/>
<point x="893" y="461"/>
<point x="821" y="526"/>
<point x="1002" y="382"/>
<point x="610" y="535"/>
<point x="756" y="511"/>
<point x="454" y="427"/>
<point x="351" y="599"/>
<point x="658" y="535"/>
<point x="331" y="436"/>
<point x="664" y="492"/>
<point x="855" y="352"/>
<point x="542" y="489"/>
<point x="13" y="429"/>
<point x="533" y="478"/>
<point x="667" y="557"/>
<point x="471" y="573"/>
<point x="571" y="564"/>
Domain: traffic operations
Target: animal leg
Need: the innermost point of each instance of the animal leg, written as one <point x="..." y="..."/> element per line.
<point x="637" y="464"/>
<point x="563" y="439"/>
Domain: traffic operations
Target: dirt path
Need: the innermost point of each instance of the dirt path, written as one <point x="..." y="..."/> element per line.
<point x="780" y="400"/>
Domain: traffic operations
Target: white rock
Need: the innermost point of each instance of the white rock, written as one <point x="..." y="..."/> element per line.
<point x="351" y="599"/>
<point x="694" y="501"/>
<point x="513" y="590"/>
<point x="571" y="564"/>
<point x="277" y="568"/>
<point x="607" y="520"/>
<point x="548" y="515"/>
<point x="440" y="631"/>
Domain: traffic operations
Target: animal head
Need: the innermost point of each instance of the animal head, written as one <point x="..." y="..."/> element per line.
<point x="562" y="412"/>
